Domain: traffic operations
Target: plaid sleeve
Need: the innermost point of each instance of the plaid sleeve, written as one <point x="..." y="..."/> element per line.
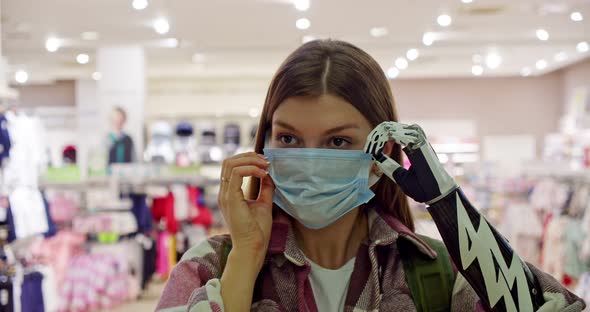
<point x="193" y="284"/>
<point x="551" y="285"/>
<point x="465" y="298"/>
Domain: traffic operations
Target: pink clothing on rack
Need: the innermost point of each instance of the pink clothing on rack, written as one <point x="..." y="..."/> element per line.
<point x="162" y="259"/>
<point x="94" y="282"/>
<point x="62" y="208"/>
<point x="57" y="251"/>
<point x="112" y="222"/>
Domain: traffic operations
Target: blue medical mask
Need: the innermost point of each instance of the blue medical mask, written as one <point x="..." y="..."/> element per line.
<point x="318" y="186"/>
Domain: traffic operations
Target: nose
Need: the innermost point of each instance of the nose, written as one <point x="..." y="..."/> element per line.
<point x="315" y="143"/>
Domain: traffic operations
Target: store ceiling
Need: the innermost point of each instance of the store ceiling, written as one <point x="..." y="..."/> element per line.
<point x="249" y="38"/>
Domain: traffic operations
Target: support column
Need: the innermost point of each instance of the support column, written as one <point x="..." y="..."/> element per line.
<point x="123" y="84"/>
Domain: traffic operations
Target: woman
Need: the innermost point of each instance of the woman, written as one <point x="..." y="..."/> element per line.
<point x="294" y="256"/>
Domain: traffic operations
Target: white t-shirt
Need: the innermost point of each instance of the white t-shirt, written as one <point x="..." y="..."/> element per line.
<point x="330" y="286"/>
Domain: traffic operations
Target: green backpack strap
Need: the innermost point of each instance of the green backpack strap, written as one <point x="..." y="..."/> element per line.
<point x="430" y="280"/>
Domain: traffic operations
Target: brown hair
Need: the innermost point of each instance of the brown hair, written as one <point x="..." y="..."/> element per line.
<point x="340" y="69"/>
<point x="121" y="111"/>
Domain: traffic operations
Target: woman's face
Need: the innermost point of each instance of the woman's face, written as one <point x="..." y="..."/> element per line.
<point x="319" y="122"/>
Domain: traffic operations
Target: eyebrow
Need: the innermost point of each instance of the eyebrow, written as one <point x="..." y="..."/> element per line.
<point x="327" y="132"/>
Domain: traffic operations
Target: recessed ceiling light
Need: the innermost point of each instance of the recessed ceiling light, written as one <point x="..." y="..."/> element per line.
<point x="542" y="34"/>
<point x="401" y="63"/>
<point x="83" y="58"/>
<point x="303" y="23"/>
<point x="526" y="71"/>
<point x="171" y="43"/>
<point x="307" y="38"/>
<point x="582" y="47"/>
<point x="493" y="60"/>
<point x="96" y="76"/>
<point x="444" y="20"/>
<point x="198" y="58"/>
<point x="301" y="5"/>
<point x="576" y="16"/>
<point x="378" y="32"/>
<point x="392" y="72"/>
<point x="161" y="26"/>
<point x="21" y="76"/>
<point x="428" y="38"/>
<point x="541" y="64"/>
<point x="139" y="4"/>
<point x="412" y="54"/>
<point x="52" y="44"/>
<point x="89" y="35"/>
<point x="477" y="70"/>
<point x="466" y="1"/>
<point x="560" y="57"/>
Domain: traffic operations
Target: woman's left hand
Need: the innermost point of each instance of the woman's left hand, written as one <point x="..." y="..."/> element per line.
<point x="426" y="180"/>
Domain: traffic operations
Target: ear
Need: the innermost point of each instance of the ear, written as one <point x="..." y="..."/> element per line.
<point x="388" y="148"/>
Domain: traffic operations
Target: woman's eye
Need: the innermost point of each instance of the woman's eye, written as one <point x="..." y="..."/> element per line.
<point x="287" y="139"/>
<point x="339" y="142"/>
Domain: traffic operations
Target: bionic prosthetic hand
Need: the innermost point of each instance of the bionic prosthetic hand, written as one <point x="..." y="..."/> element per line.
<point x="486" y="260"/>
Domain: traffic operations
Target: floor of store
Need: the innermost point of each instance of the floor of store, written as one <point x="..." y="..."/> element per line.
<point x="147" y="302"/>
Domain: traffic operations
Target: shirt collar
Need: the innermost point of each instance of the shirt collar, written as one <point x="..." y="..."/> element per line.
<point x="384" y="229"/>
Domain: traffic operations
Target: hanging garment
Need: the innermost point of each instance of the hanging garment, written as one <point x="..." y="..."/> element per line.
<point x="573" y="238"/>
<point x="185" y="144"/>
<point x="49" y="288"/>
<point x="553" y="249"/>
<point x="231" y="139"/>
<point x="57" y="251"/>
<point x="121" y="149"/>
<point x="163" y="209"/>
<point x="181" y="201"/>
<point x="163" y="260"/>
<point x="172" y="260"/>
<point x="195" y="234"/>
<point x="28" y="214"/>
<point x="63" y="208"/>
<point x="4" y="140"/>
<point x="28" y="152"/>
<point x="31" y="296"/>
<point x="208" y="150"/>
<point x="141" y="212"/>
<point x="159" y="148"/>
<point x="200" y="213"/>
<point x="149" y="258"/>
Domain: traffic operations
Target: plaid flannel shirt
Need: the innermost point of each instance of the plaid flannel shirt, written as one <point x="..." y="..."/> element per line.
<point x="283" y="283"/>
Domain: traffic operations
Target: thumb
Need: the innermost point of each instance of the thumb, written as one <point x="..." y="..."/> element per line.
<point x="388" y="166"/>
